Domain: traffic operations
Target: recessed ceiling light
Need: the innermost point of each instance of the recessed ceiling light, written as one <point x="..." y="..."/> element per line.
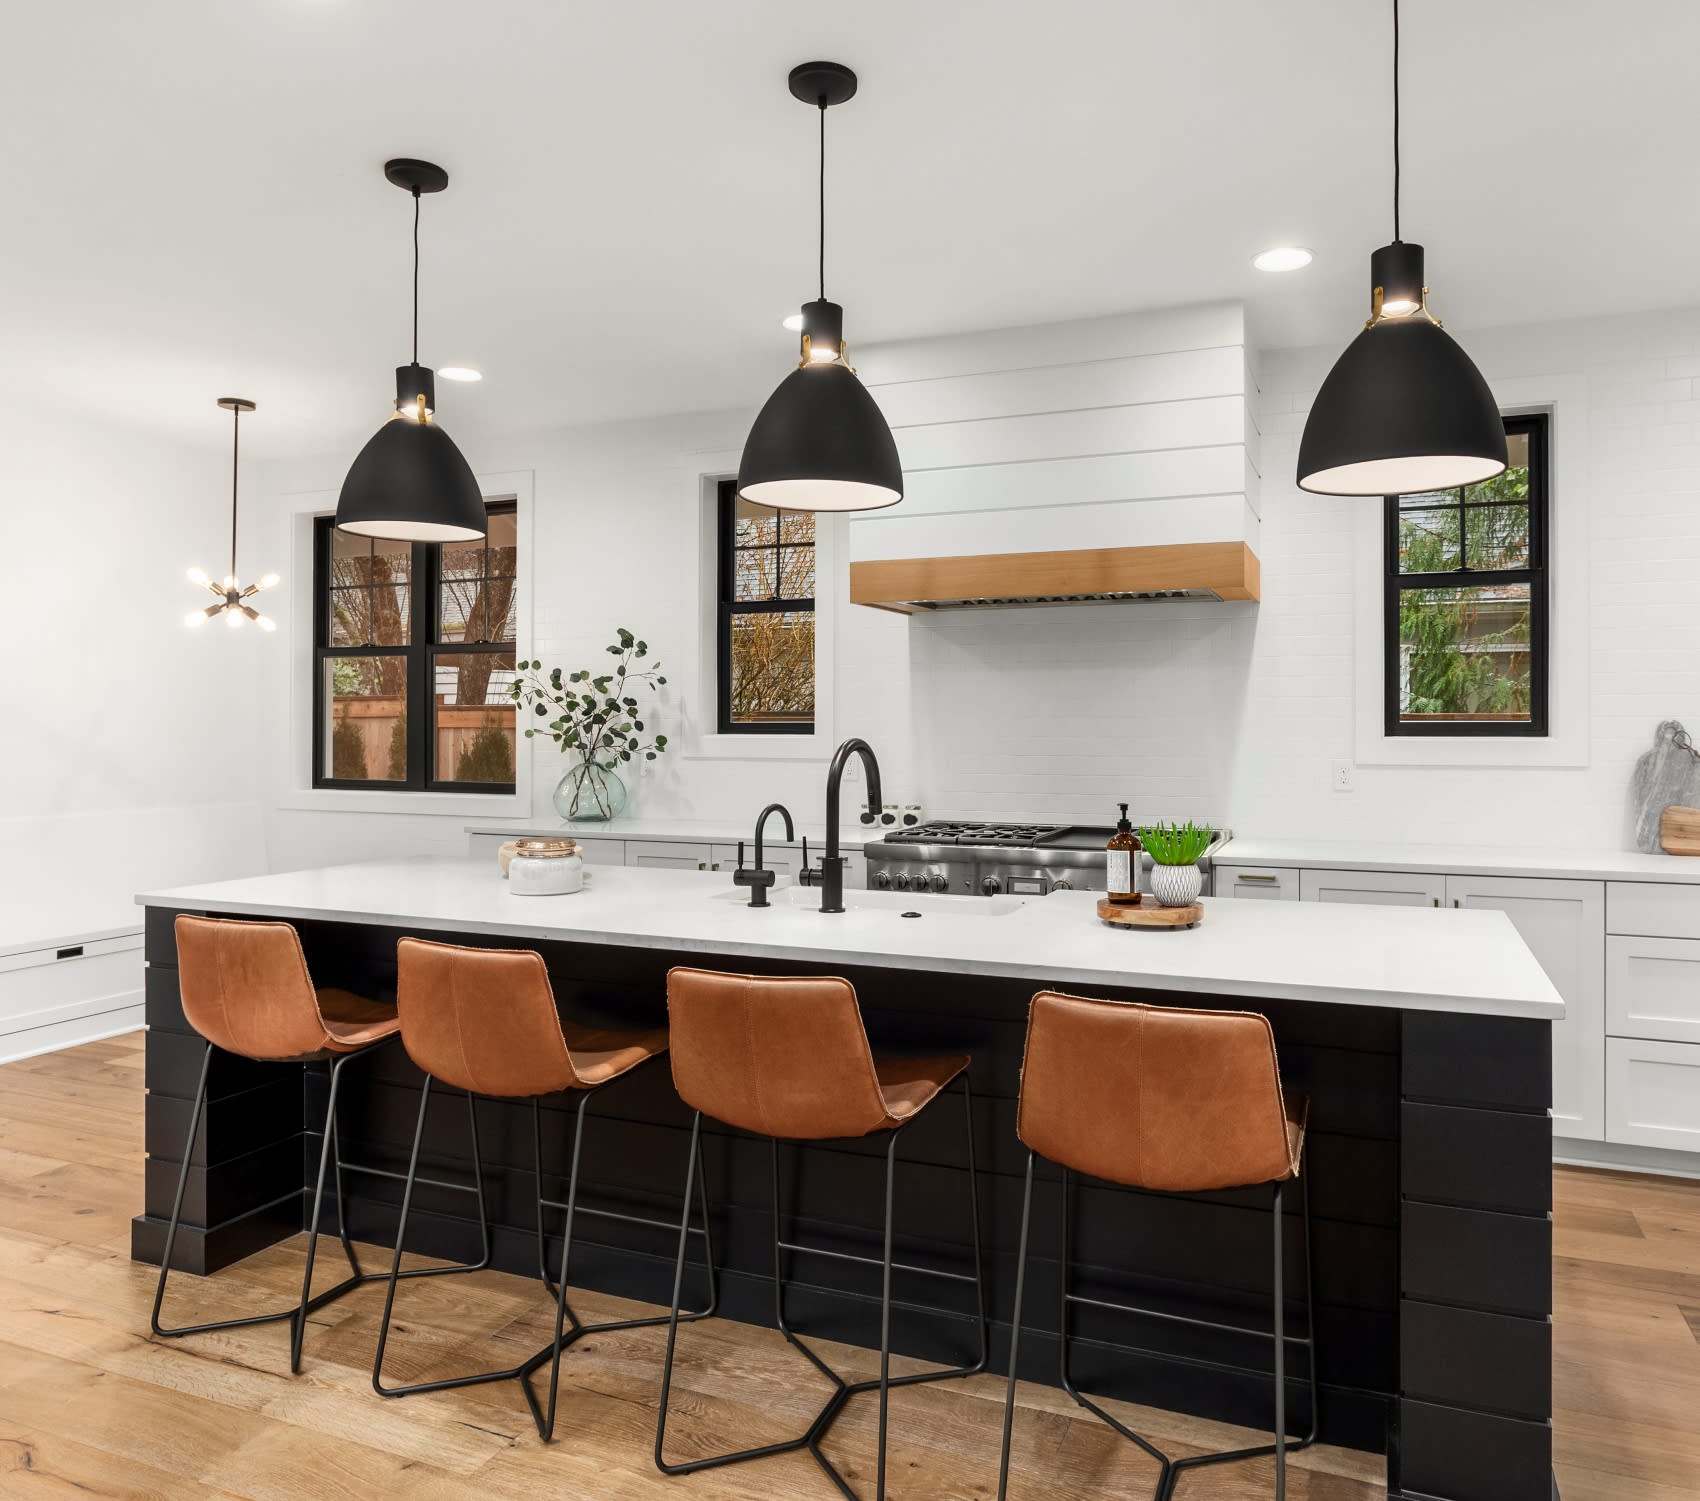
<point x="793" y="324"/>
<point x="460" y="372"/>
<point x="1282" y="258"/>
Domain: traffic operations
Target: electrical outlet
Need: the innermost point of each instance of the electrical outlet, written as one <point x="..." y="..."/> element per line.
<point x="1342" y="778"/>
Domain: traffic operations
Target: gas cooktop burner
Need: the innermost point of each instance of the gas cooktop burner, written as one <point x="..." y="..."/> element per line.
<point x="948" y="831"/>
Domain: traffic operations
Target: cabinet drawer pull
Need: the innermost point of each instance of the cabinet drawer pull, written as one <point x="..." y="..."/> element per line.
<point x="702" y="865"/>
<point x="1436" y="901"/>
<point x="74" y="952"/>
<point x="1258" y="880"/>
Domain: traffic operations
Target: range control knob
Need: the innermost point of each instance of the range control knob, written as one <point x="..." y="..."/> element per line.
<point x="882" y="881"/>
<point x="1062" y="883"/>
<point x="903" y="882"/>
<point x="991" y="886"/>
<point x="938" y="881"/>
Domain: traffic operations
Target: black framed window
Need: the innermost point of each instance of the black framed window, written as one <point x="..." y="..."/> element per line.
<point x="1466" y="627"/>
<point x="413" y="652"/>
<point x="766" y="623"/>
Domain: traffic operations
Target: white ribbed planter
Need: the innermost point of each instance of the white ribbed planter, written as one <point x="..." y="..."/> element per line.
<point x="1176" y="885"/>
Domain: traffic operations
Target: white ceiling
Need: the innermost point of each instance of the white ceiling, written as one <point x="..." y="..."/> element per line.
<point x="193" y="202"/>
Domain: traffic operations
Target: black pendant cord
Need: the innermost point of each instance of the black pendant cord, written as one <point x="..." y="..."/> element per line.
<point x="416" y="276"/>
<point x="823" y="198"/>
<point x="1396" y="121"/>
<point x="235" y="456"/>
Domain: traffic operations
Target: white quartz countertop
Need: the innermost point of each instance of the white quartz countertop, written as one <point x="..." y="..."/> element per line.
<point x="680" y="830"/>
<point x="1464" y="859"/>
<point x="1403" y="957"/>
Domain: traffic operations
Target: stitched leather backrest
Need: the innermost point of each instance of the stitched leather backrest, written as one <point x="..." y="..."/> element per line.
<point x="481" y="1019"/>
<point x="246" y="989"/>
<point x="778" y="1056"/>
<point x="1153" y="1096"/>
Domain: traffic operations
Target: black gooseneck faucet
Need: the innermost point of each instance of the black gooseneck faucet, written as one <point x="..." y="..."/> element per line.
<point x="760" y="879"/>
<point x="830" y="876"/>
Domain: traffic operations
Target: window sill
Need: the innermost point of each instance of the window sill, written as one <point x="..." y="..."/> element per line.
<point x="456" y="804"/>
<point x="760" y="748"/>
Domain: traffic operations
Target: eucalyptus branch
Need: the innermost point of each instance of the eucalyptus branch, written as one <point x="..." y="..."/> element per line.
<point x="594" y="717"/>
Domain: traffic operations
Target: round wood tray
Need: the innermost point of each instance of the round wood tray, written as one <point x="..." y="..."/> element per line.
<point x="1148" y="914"/>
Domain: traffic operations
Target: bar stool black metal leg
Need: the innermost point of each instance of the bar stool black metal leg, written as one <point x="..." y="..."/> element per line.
<point x="1015" y="1328"/>
<point x="298" y="1327"/>
<point x="546" y="1423"/>
<point x="195" y="1113"/>
<point x="842" y="1390"/>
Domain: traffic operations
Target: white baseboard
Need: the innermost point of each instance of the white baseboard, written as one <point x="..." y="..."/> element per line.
<point x="1624" y="1159"/>
<point x="32" y="1042"/>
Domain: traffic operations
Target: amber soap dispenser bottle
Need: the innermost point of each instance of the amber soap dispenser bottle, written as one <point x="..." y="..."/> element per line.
<point x="1121" y="856"/>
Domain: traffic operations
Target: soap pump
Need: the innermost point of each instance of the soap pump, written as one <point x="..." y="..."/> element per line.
<point x="1122" y="863"/>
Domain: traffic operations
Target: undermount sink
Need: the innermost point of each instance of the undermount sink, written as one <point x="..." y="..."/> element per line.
<point x="893" y="903"/>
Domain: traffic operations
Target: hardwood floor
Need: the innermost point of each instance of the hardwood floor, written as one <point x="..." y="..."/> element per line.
<point x="91" y="1406"/>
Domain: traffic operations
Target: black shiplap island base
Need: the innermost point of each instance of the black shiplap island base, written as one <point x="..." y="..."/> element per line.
<point x="1422" y="1038"/>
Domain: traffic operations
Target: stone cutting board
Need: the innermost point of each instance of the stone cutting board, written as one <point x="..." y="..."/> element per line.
<point x="1668" y="773"/>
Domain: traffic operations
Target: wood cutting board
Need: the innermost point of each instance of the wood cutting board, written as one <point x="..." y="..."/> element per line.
<point x="1149" y="914"/>
<point x="1679" y="830"/>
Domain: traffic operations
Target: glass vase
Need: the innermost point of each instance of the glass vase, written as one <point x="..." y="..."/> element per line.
<point x="588" y="794"/>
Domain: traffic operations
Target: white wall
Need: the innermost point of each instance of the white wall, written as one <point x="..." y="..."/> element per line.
<point x="1236" y="712"/>
<point x="126" y="741"/>
<point x="1231" y="712"/>
<point x="618" y="539"/>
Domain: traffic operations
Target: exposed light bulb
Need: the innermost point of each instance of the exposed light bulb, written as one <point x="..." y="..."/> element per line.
<point x="195" y="618"/>
<point x="821" y="354"/>
<point x="199" y="576"/>
<point x="231" y="582"/>
<point x="234" y="619"/>
<point x="265" y="622"/>
<point x="1399" y="307"/>
<point x="268" y="581"/>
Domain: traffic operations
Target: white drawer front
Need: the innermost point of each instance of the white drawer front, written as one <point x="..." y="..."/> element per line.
<point x="1653" y="988"/>
<point x="659" y="854"/>
<point x="41" y="1001"/>
<point x="1258" y="883"/>
<point x="1653" y="909"/>
<point x="1379" y="888"/>
<point x="1653" y="1094"/>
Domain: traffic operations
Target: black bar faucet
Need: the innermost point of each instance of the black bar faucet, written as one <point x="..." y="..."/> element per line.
<point x="760" y="879"/>
<point x="830" y="876"/>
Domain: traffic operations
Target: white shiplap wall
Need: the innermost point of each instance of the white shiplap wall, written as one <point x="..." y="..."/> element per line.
<point x="1111" y="432"/>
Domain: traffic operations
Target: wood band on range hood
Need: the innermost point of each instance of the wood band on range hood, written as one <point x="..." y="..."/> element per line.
<point x="1226" y="570"/>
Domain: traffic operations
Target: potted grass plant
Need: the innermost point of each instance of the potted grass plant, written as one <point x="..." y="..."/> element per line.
<point x="1175" y="877"/>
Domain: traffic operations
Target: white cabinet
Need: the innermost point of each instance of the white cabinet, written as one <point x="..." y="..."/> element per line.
<point x="1563" y="922"/>
<point x="73" y="992"/>
<point x="659" y="854"/>
<point x="1653" y="988"/>
<point x="1380" y="888"/>
<point x="782" y="859"/>
<point x="1653" y="1094"/>
<point x="1258" y="883"/>
<point x="1656" y="909"/>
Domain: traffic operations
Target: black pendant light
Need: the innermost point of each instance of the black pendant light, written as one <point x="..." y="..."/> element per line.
<point x="1404" y="409"/>
<point x="410" y="482"/>
<point x="821" y="443"/>
<point x="232" y="597"/>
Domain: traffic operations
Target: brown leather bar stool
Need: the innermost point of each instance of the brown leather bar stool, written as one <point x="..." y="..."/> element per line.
<point x="1175" y="1101"/>
<point x="484" y="1021"/>
<point x="246" y="991"/>
<point x="788" y="1059"/>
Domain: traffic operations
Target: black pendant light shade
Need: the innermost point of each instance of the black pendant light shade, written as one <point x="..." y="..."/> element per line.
<point x="410" y="483"/>
<point x="821" y="442"/>
<point x="1404" y="409"/>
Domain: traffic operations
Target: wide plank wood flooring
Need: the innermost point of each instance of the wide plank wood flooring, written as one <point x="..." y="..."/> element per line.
<point x="90" y="1405"/>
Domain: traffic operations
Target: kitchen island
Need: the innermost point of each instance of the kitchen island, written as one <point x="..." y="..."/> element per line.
<point x="1421" y="1036"/>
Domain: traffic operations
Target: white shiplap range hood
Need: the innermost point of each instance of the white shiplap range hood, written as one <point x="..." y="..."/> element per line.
<point x="1106" y="460"/>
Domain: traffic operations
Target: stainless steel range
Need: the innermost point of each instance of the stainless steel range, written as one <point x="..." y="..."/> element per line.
<point x="1018" y="859"/>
